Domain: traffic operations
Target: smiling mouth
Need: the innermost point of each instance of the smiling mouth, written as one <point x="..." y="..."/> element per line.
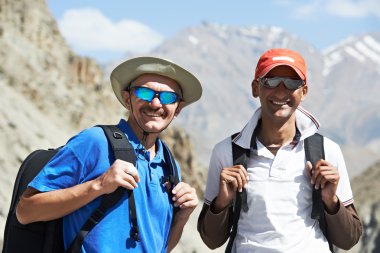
<point x="153" y="114"/>
<point x="280" y="103"/>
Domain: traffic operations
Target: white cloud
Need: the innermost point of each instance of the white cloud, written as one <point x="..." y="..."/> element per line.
<point x="89" y="30"/>
<point x="354" y="8"/>
<point x="307" y="10"/>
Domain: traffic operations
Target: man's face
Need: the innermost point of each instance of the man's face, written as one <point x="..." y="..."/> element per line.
<point x="153" y="116"/>
<point x="279" y="103"/>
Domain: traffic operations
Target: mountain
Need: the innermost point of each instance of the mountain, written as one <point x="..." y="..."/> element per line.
<point x="342" y="85"/>
<point x="343" y="92"/>
<point x="49" y="93"/>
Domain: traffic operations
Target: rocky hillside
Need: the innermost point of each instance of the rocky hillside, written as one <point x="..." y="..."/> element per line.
<point x="367" y="200"/>
<point x="342" y="88"/>
<point x="49" y="93"/>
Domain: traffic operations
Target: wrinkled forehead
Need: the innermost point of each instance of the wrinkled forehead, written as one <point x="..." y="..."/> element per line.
<point x="156" y="81"/>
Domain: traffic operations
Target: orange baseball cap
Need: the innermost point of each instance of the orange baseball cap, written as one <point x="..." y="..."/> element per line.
<point x="280" y="56"/>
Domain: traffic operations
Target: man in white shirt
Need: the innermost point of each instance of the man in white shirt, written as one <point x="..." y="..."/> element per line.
<point x="278" y="180"/>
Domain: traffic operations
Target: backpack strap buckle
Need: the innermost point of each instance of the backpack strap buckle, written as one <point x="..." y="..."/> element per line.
<point x="134" y="234"/>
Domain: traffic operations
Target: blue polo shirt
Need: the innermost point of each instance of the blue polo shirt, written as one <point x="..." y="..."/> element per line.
<point x="86" y="156"/>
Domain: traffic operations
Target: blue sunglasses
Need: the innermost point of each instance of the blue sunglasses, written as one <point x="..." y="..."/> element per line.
<point x="147" y="94"/>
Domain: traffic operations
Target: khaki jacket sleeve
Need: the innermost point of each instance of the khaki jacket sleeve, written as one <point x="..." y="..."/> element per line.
<point x="344" y="228"/>
<point x="214" y="228"/>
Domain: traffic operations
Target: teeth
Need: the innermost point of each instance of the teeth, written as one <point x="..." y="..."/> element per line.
<point x="153" y="115"/>
<point x="279" y="103"/>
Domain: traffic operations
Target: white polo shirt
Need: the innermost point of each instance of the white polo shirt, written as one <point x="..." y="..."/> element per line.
<point x="279" y="192"/>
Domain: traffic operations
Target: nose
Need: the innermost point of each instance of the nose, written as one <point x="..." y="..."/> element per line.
<point x="281" y="87"/>
<point x="156" y="101"/>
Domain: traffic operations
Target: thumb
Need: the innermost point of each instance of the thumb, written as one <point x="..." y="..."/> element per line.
<point x="309" y="168"/>
<point x="168" y="187"/>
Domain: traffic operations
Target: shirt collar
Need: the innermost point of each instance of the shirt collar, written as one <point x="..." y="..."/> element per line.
<point x="306" y="125"/>
<point x="135" y="142"/>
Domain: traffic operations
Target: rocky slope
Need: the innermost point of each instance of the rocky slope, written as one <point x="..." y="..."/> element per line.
<point x="367" y="200"/>
<point x="342" y="88"/>
<point x="49" y="93"/>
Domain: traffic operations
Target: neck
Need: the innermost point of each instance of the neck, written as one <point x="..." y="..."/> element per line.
<point x="277" y="134"/>
<point x="148" y="140"/>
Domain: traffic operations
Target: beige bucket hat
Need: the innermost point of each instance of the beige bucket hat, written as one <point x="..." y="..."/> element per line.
<point x="126" y="72"/>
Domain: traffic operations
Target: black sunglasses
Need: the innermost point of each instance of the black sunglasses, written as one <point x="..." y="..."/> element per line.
<point x="273" y="82"/>
<point x="147" y="94"/>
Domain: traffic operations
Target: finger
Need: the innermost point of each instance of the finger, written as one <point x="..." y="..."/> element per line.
<point x="187" y="200"/>
<point x="234" y="183"/>
<point x="239" y="182"/>
<point x="329" y="171"/>
<point x="131" y="170"/>
<point x="228" y="177"/>
<point x="323" y="182"/>
<point x="332" y="177"/>
<point x="225" y="177"/>
<point x="168" y="186"/>
<point x="189" y="204"/>
<point x="315" y="173"/>
<point x="124" y="177"/>
<point x="182" y="191"/>
<point x="317" y="181"/>
<point x="182" y="188"/>
<point x="309" y="168"/>
<point x="244" y="178"/>
<point x="241" y="169"/>
<point x="322" y="162"/>
<point x="126" y="184"/>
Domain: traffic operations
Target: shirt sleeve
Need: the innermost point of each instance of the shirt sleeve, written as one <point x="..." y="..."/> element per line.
<point x="221" y="157"/>
<point x="74" y="162"/>
<point x="334" y="155"/>
<point x="214" y="228"/>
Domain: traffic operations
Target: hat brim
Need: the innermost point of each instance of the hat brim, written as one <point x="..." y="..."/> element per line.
<point x="270" y="67"/>
<point x="122" y="76"/>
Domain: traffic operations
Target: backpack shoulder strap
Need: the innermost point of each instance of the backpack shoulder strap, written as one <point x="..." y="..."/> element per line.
<point x="174" y="170"/>
<point x="314" y="151"/>
<point x="122" y="150"/>
<point x="239" y="156"/>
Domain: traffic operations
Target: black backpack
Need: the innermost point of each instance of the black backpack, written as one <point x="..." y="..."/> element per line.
<point x="314" y="151"/>
<point x="47" y="237"/>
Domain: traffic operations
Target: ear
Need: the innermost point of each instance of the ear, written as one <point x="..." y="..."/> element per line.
<point x="127" y="100"/>
<point x="305" y="89"/>
<point x="179" y="108"/>
<point x="255" y="88"/>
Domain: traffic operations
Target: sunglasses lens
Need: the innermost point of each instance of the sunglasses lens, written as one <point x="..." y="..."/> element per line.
<point x="293" y="84"/>
<point x="168" y="97"/>
<point x="272" y="82"/>
<point x="290" y="84"/>
<point x="144" y="93"/>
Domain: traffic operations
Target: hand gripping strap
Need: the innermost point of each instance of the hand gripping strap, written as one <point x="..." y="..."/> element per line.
<point x="123" y="150"/>
<point x="314" y="151"/>
<point x="240" y="157"/>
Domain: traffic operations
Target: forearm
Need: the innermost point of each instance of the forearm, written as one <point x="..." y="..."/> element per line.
<point x="214" y="226"/>
<point x="344" y="228"/>
<point x="43" y="206"/>
<point x="176" y="232"/>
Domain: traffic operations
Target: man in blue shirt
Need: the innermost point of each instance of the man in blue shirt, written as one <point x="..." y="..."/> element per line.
<point x="71" y="184"/>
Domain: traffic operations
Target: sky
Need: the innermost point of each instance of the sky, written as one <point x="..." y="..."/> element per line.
<point x="107" y="30"/>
